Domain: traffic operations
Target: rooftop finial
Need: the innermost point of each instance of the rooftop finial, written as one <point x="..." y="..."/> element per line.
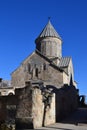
<point x="49" y="18"/>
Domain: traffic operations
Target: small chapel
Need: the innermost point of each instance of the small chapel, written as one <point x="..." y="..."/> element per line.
<point x="43" y="86"/>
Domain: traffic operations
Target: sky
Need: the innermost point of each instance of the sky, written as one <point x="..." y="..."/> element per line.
<point x="21" y="21"/>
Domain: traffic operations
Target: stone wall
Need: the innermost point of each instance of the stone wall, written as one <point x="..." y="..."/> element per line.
<point x="51" y="113"/>
<point x="2" y="110"/>
<point x="51" y="44"/>
<point x="41" y="115"/>
<point x="5" y="103"/>
<point x="24" y="102"/>
<point x="30" y="108"/>
<point x="24" y="108"/>
<point x="37" y="111"/>
<point x="37" y="68"/>
<point x="53" y="76"/>
<point x="66" y="101"/>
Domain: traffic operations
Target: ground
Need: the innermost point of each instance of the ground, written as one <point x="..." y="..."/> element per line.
<point x="77" y="121"/>
<point x="62" y="126"/>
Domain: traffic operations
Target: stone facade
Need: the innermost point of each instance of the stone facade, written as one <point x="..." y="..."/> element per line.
<point x="36" y="67"/>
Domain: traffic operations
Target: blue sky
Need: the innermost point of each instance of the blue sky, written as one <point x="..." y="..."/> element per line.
<point x="21" y="21"/>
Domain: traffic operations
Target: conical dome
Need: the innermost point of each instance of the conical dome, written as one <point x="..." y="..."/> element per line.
<point x="48" y="31"/>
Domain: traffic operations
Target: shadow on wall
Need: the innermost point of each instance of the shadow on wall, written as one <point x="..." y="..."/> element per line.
<point x="77" y="117"/>
<point x="66" y="101"/>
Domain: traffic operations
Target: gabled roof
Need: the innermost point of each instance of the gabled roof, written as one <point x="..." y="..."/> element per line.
<point x="64" y="62"/>
<point x="48" y="31"/>
<point x="50" y="61"/>
<point x="60" y="68"/>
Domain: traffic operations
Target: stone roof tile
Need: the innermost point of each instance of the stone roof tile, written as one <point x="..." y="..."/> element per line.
<point x="48" y="31"/>
<point x="64" y="62"/>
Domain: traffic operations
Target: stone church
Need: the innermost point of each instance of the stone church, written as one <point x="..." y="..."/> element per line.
<point x="44" y="89"/>
<point x="46" y="62"/>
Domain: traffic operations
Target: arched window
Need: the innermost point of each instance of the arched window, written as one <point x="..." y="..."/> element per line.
<point x="36" y="72"/>
<point x="29" y="67"/>
<point x="44" y="66"/>
<point x="71" y="81"/>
